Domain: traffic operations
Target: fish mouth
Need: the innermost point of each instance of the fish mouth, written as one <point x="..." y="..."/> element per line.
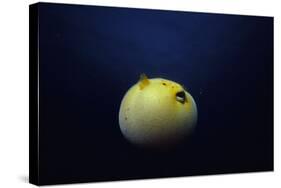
<point x="181" y="97"/>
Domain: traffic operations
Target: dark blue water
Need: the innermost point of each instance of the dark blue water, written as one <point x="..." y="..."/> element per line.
<point x="90" y="56"/>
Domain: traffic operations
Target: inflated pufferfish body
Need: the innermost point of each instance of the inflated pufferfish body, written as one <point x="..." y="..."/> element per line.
<point x="157" y="113"/>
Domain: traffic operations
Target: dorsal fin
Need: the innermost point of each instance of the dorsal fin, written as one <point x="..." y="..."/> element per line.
<point x="144" y="81"/>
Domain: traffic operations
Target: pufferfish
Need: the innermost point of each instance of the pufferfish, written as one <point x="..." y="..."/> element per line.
<point x="157" y="113"/>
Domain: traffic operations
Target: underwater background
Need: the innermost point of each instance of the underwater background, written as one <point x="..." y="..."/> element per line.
<point x="90" y="56"/>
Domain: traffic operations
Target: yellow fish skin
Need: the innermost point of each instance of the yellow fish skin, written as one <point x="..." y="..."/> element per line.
<point x="157" y="113"/>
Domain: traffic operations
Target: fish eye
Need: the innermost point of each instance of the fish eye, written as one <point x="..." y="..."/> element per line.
<point x="180" y="97"/>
